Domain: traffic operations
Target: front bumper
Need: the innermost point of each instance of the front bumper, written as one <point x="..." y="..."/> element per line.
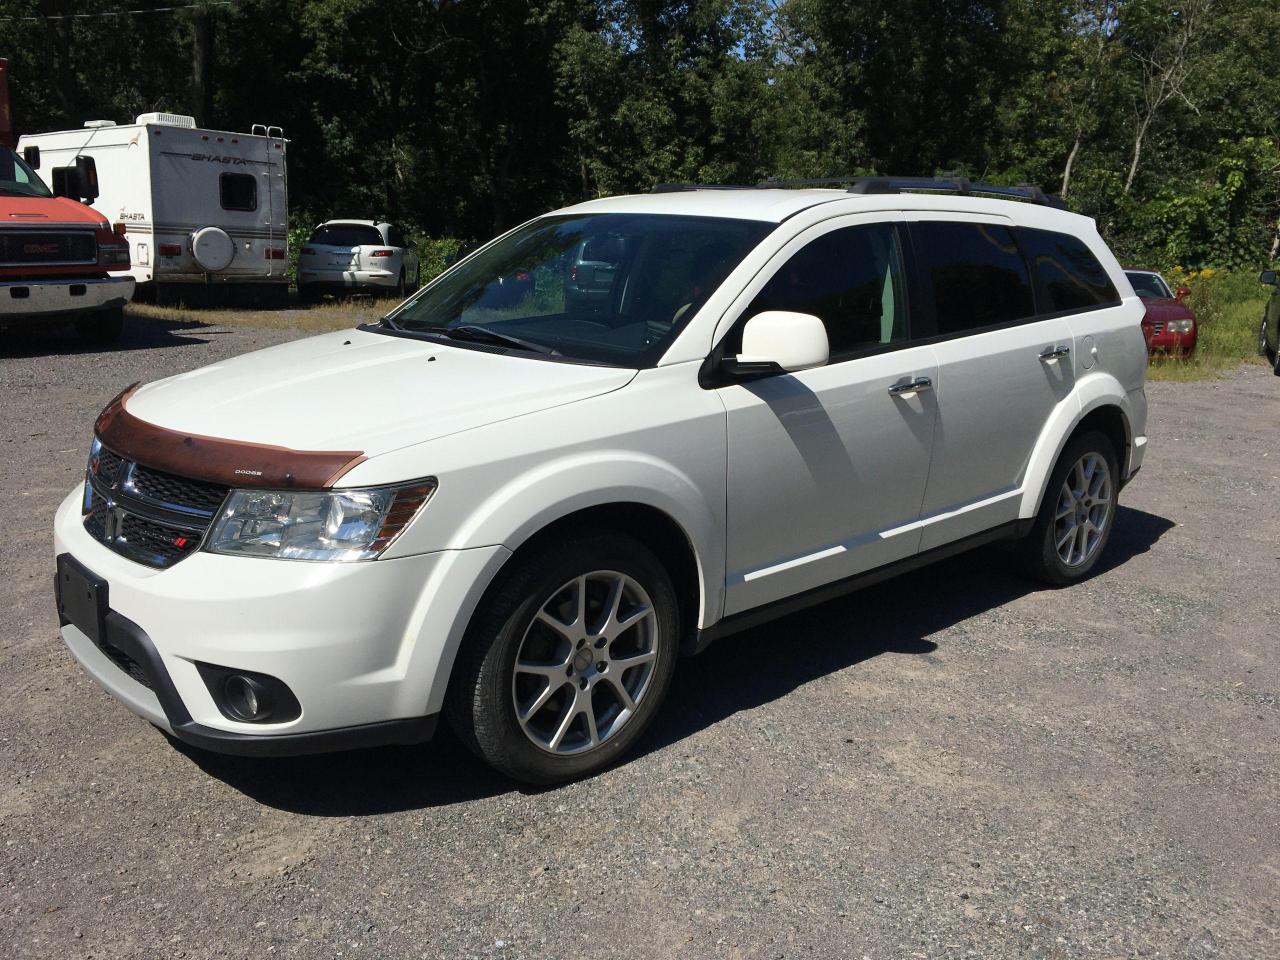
<point x="61" y="296"/>
<point x="365" y="647"/>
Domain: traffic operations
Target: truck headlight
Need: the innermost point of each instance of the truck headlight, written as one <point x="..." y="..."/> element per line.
<point x="342" y="525"/>
<point x="113" y="254"/>
<point x="1181" y="326"/>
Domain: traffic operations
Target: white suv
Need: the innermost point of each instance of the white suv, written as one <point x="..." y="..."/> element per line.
<point x="344" y="256"/>
<point x="518" y="508"/>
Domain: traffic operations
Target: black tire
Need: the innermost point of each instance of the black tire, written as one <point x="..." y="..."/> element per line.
<point x="1262" y="339"/>
<point x="480" y="705"/>
<point x="1038" y="551"/>
<point x="102" y="327"/>
<point x="401" y="288"/>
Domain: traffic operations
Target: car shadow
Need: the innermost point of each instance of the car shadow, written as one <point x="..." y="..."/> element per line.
<point x="60" y="338"/>
<point x="737" y="673"/>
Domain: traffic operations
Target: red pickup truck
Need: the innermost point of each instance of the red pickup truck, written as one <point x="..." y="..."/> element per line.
<point x="59" y="258"/>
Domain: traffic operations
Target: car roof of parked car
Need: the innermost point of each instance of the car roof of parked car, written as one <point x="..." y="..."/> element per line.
<point x="777" y="205"/>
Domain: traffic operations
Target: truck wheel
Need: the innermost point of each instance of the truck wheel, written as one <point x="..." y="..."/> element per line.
<point x="102" y="327"/>
<point x="566" y="660"/>
<point x="1076" y="515"/>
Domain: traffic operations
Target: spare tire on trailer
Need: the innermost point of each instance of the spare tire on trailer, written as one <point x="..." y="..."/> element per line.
<point x="213" y="249"/>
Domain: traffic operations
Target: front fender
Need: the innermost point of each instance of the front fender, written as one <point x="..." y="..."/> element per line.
<point x="532" y="501"/>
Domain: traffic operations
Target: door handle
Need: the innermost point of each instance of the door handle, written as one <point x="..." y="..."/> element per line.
<point x="1054" y="353"/>
<point x="918" y="385"/>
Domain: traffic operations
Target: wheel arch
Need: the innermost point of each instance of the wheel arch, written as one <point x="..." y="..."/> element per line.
<point x="1103" y="411"/>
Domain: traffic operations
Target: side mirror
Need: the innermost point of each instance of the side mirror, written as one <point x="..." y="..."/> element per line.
<point x="80" y="182"/>
<point x="87" y="178"/>
<point x="31" y="154"/>
<point x="1268" y="277"/>
<point x="1182" y="293"/>
<point x="779" y="341"/>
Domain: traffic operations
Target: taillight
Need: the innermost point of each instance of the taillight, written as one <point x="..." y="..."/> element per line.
<point x="382" y="253"/>
<point x="276" y="253"/>
<point x="309" y="251"/>
<point x="170" y="249"/>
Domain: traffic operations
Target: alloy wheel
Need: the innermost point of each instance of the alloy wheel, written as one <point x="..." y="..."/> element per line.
<point x="1085" y="504"/>
<point x="585" y="663"/>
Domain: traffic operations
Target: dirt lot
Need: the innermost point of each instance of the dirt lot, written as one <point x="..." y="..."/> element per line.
<point x="951" y="765"/>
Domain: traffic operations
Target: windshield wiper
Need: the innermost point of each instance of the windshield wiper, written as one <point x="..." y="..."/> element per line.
<point x="478" y="334"/>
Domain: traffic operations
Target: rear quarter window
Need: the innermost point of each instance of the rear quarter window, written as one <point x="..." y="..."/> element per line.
<point x="1068" y="276"/>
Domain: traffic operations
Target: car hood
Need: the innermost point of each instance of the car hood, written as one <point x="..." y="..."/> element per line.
<point x="358" y="390"/>
<point x="1163" y="308"/>
<point x="49" y="211"/>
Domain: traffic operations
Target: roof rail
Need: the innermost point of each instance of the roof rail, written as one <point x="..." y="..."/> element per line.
<point x="686" y="187"/>
<point x="946" y="183"/>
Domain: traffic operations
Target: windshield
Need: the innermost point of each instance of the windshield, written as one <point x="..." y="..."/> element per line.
<point x="604" y="288"/>
<point x="1150" y="285"/>
<point x="17" y="179"/>
<point x="346" y="235"/>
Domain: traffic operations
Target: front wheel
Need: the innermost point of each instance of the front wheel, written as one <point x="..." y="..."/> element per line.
<point x="1075" y="519"/>
<point x="567" y="660"/>
<point x="102" y="327"/>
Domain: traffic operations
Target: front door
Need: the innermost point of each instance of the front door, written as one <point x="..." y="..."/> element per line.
<point x="827" y="467"/>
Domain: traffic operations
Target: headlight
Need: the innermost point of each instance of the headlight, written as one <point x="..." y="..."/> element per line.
<point x="1181" y="326"/>
<point x="113" y="254"/>
<point x="314" y="525"/>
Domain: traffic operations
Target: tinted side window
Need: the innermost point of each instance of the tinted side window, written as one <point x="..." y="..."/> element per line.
<point x="976" y="272"/>
<point x="239" y="191"/>
<point x="852" y="279"/>
<point x="1068" y="275"/>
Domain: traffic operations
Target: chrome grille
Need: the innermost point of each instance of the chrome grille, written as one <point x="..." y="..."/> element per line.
<point x="150" y="516"/>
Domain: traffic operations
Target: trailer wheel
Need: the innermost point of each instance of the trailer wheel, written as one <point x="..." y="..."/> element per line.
<point x="102" y="327"/>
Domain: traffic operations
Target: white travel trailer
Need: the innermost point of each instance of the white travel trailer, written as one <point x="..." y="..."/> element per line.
<point x="201" y="208"/>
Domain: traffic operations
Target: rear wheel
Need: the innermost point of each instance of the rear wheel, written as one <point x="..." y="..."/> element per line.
<point x="567" y="660"/>
<point x="400" y="285"/>
<point x="102" y="327"/>
<point x="1075" y="519"/>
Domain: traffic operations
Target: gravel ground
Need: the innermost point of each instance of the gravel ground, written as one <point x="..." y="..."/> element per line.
<point x="954" y="764"/>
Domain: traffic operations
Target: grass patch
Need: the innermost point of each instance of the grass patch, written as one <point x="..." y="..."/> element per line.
<point x="319" y="318"/>
<point x="1228" y="306"/>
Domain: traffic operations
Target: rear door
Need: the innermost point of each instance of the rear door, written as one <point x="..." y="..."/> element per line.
<point x="1002" y="369"/>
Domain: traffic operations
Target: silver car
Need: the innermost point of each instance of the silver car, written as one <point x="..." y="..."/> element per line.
<point x="347" y="256"/>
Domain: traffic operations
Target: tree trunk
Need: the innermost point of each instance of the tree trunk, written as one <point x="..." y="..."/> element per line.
<point x="1138" y="137"/>
<point x="1071" y="161"/>
<point x="201" y="65"/>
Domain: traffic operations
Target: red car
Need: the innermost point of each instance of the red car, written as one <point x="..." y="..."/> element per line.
<point x="1169" y="326"/>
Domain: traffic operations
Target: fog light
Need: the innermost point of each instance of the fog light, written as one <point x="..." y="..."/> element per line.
<point x="245" y="697"/>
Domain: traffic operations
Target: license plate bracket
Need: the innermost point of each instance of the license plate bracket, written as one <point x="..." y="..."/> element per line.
<point x="82" y="598"/>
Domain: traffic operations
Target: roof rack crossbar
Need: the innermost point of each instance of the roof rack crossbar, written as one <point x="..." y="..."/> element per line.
<point x="946" y="183"/>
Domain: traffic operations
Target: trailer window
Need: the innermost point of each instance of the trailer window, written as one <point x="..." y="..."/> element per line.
<point x="239" y="191"/>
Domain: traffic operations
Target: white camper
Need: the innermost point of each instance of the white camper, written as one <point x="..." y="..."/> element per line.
<point x="199" y="207"/>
